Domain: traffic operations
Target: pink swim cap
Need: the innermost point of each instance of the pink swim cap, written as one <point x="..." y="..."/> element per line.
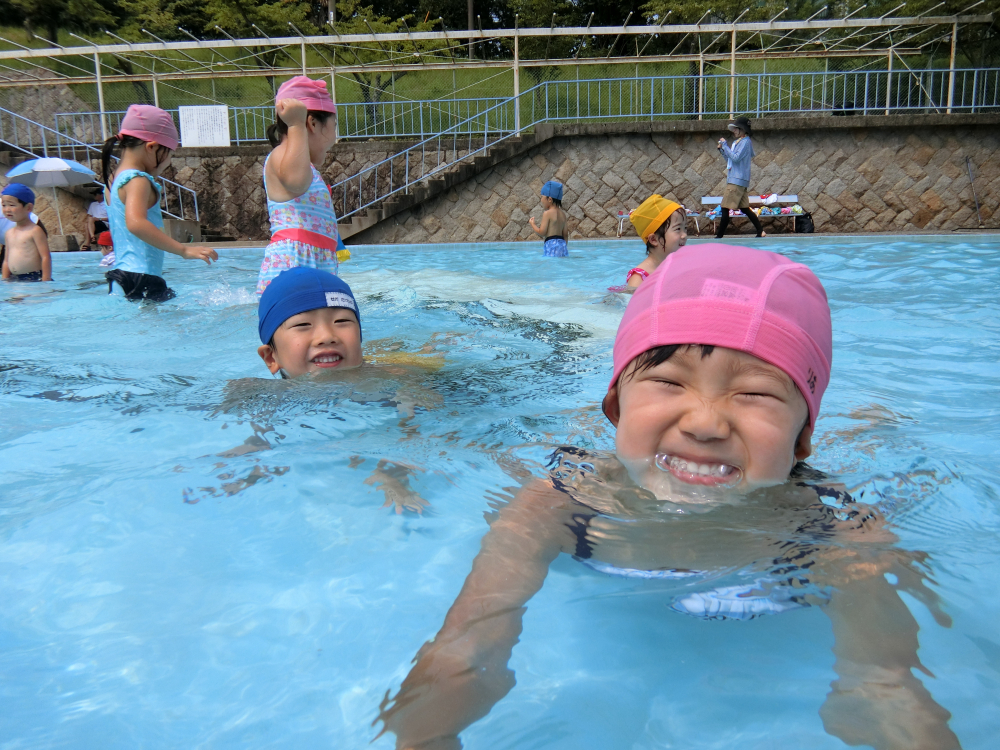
<point x="311" y="93"/>
<point x="149" y="123"/>
<point x="753" y="301"/>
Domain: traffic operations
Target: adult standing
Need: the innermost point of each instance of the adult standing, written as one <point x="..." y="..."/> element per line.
<point x="97" y="218"/>
<point x="738" y="157"/>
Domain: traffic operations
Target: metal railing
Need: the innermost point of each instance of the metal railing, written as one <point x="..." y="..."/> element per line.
<point x="858" y="92"/>
<point x="388" y="119"/>
<point x="34" y="139"/>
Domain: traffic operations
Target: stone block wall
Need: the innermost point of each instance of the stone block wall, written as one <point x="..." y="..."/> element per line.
<point x="872" y="174"/>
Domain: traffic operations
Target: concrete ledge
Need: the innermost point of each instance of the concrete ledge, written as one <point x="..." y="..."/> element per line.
<point x="182" y="230"/>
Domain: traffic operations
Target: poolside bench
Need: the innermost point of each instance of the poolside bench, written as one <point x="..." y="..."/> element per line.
<point x="755" y="200"/>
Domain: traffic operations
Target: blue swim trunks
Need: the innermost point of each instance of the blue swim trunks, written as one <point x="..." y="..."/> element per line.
<point x="555" y="247"/>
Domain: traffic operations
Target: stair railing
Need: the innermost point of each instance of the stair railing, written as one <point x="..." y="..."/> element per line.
<point x="34" y="139"/>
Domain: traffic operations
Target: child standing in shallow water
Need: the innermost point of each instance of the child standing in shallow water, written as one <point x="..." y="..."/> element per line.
<point x="27" y="255"/>
<point x="147" y="139"/>
<point x="662" y="225"/>
<point x="303" y="222"/>
<point x="553" y="226"/>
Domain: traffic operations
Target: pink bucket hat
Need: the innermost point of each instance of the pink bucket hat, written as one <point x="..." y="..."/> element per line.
<point x="311" y="93"/>
<point x="753" y="301"/>
<point x="149" y="123"/>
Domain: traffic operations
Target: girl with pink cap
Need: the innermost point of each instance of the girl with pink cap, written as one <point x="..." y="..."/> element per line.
<point x="303" y="222"/>
<point x="145" y="142"/>
<point x="720" y="364"/>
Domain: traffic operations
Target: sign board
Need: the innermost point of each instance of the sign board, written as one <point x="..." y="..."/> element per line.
<point x="204" y="126"/>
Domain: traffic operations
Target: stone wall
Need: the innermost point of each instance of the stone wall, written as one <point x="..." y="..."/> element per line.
<point x="859" y="174"/>
<point x="230" y="182"/>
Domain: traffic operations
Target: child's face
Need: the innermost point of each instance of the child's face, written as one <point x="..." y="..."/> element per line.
<point x="321" y="136"/>
<point x="546" y="202"/>
<point x="676" y="235"/>
<point x="710" y="416"/>
<point x="152" y="151"/>
<point x="14" y="210"/>
<point x="315" y="341"/>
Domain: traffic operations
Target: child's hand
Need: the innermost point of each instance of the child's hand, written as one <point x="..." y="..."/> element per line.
<point x="531" y="220"/>
<point x="722" y="142"/>
<point x="291" y="111"/>
<point x="206" y="254"/>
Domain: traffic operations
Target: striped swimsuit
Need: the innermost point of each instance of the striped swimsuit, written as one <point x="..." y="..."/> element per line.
<point x="303" y="232"/>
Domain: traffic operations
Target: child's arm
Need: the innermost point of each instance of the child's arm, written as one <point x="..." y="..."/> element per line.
<point x="138" y="197"/>
<point x="876" y="699"/>
<point x="42" y="246"/>
<point x="4" y="269"/>
<point x="393" y="480"/>
<point x="293" y="167"/>
<point x="462" y="673"/>
<point x="736" y="152"/>
<point x="541" y="230"/>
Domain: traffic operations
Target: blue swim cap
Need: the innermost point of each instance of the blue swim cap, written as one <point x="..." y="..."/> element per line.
<point x="300" y="290"/>
<point x="553" y="190"/>
<point x="21" y="192"/>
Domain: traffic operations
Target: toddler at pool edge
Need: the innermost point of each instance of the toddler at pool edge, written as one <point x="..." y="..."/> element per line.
<point x="720" y="365"/>
<point x="147" y="139"/>
<point x="303" y="223"/>
<point x="309" y="322"/>
<point x="553" y="227"/>
<point x="662" y="225"/>
<point x="27" y="256"/>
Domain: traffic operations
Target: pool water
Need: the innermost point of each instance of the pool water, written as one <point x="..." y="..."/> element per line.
<point x="193" y="554"/>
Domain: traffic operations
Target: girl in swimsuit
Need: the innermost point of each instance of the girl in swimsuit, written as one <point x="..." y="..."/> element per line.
<point x="303" y="222"/>
<point x="662" y="224"/>
<point x="553" y="227"/>
<point x="720" y="364"/>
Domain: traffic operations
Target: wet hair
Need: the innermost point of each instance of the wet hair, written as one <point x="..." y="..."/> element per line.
<point x="277" y="131"/>
<point x="556" y="201"/>
<point x="42" y="227"/>
<point x="124" y="142"/>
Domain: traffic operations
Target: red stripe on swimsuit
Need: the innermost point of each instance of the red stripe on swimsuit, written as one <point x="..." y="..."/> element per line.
<point x="640" y="271"/>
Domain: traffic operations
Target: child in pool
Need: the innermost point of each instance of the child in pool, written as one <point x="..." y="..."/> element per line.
<point x="303" y="222"/>
<point x="107" y="247"/>
<point x="553" y="226"/>
<point x="720" y="364"/>
<point x="27" y="256"/>
<point x="147" y="139"/>
<point x="309" y="323"/>
<point x="662" y="225"/>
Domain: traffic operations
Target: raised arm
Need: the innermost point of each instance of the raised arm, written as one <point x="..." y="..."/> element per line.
<point x="462" y="673"/>
<point x="735" y="153"/>
<point x="877" y="700"/>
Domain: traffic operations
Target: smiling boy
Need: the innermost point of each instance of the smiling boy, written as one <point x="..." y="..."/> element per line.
<point x="309" y="323"/>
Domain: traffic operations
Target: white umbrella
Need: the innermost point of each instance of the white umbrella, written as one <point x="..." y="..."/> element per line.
<point x="53" y="173"/>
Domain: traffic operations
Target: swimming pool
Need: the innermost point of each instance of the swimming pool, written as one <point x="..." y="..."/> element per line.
<point x="191" y="558"/>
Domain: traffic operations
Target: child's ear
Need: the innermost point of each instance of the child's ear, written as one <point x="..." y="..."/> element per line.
<point x="803" y="446"/>
<point x="266" y="353"/>
<point x="610" y="406"/>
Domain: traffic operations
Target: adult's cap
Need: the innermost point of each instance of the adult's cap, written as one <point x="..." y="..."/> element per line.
<point x="300" y="290"/>
<point x="310" y="92"/>
<point x="752" y="301"/>
<point x="651" y="214"/>
<point x="149" y="123"/>
<point x="553" y="189"/>
<point x="22" y="192"/>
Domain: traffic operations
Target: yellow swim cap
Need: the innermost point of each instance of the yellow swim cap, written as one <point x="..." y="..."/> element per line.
<point x="651" y="214"/>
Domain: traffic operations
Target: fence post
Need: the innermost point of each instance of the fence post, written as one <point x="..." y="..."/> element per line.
<point x="303" y="58"/>
<point x="156" y="93"/>
<point x="701" y="85"/>
<point x="888" y="81"/>
<point x="100" y="96"/>
<point x="517" y="82"/>
<point x="333" y="97"/>
<point x="732" y="76"/>
<point x="951" y="67"/>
